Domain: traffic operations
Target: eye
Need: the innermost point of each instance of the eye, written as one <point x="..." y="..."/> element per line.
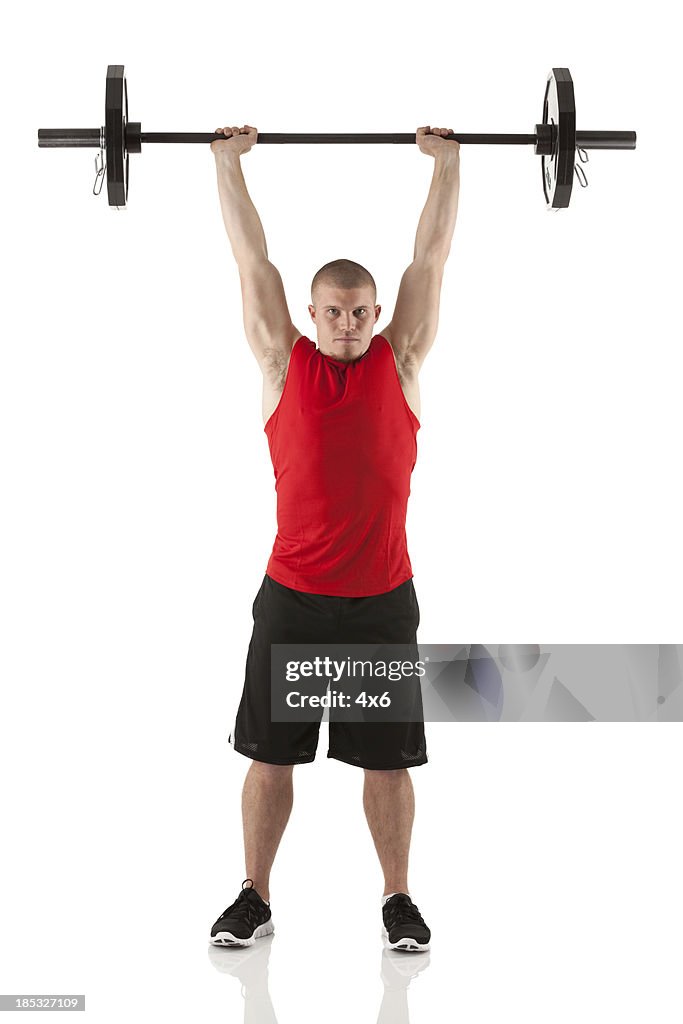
<point x="361" y="309"/>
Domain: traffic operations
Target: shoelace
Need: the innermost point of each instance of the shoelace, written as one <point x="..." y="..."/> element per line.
<point x="401" y="907"/>
<point x="245" y="906"/>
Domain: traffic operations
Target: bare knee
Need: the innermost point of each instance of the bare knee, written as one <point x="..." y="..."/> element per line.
<point x="272" y="771"/>
<point x="372" y="772"/>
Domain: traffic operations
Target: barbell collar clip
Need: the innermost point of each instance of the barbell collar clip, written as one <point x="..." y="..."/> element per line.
<point x="100" y="169"/>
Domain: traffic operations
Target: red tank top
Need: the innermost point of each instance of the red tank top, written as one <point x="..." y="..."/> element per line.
<point x="343" y="445"/>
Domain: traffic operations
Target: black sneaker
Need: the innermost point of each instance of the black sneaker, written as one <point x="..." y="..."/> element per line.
<point x="245" y="920"/>
<point x="404" y="927"/>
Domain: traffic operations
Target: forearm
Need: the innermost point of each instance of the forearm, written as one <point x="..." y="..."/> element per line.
<point x="240" y="217"/>
<point x="437" y="223"/>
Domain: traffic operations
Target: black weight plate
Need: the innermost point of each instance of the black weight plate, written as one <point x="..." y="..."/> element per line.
<point x="559" y="112"/>
<point x="115" y="120"/>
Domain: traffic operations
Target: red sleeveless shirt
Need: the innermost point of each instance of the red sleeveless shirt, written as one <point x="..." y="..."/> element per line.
<point x="343" y="445"/>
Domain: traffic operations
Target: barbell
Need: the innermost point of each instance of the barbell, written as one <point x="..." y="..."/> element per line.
<point x="555" y="140"/>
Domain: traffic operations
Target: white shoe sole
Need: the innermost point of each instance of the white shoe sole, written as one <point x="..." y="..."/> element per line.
<point x="228" y="939"/>
<point x="407" y="944"/>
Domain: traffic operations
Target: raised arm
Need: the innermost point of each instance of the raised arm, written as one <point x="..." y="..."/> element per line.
<point x="414" y="324"/>
<point x="267" y="323"/>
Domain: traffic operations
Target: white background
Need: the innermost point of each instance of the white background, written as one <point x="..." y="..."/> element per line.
<point x="138" y="506"/>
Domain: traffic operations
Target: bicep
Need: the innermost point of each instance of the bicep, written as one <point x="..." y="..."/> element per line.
<point x="267" y="322"/>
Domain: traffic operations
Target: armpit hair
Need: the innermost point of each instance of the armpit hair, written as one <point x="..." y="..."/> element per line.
<point x="274" y="363"/>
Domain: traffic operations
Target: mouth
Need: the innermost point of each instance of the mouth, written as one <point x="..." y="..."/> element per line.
<point x="346" y="339"/>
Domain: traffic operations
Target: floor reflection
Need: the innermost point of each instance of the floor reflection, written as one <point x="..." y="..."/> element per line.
<point x="250" y="967"/>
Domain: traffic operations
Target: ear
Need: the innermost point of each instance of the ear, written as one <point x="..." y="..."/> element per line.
<point x="311" y="310"/>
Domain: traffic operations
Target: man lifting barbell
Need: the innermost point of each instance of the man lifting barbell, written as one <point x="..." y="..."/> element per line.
<point x="339" y="569"/>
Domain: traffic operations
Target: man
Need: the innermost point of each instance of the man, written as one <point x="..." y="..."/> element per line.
<point x="341" y="421"/>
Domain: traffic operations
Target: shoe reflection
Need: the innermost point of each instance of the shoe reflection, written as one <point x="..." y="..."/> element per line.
<point x="250" y="966"/>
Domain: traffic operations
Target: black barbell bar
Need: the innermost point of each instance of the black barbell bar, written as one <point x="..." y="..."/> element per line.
<point x="79" y="138"/>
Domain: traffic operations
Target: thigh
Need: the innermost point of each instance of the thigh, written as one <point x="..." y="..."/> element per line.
<point x="281" y="616"/>
<point x="390" y="618"/>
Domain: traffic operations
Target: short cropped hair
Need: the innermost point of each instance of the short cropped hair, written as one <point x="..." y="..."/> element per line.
<point x="343" y="274"/>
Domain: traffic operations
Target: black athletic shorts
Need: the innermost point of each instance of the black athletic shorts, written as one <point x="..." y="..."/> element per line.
<point x="285" y="616"/>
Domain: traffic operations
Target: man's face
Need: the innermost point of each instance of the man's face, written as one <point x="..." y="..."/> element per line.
<point x="345" y="319"/>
